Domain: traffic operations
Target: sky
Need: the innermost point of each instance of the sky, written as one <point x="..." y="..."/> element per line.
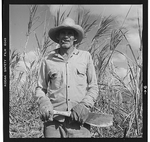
<point x="19" y="17"/>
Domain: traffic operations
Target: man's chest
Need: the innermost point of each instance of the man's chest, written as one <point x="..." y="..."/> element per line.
<point x="72" y="65"/>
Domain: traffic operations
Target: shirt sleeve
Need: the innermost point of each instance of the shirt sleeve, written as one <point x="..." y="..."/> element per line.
<point x="92" y="90"/>
<point x="42" y="82"/>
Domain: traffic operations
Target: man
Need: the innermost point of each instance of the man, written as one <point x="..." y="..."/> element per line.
<point x="67" y="82"/>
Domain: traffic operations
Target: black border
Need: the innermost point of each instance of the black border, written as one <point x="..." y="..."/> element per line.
<point x="75" y="2"/>
<point x="5" y="67"/>
<point x="5" y="62"/>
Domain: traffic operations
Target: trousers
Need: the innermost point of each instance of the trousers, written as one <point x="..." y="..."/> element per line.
<point x="56" y="129"/>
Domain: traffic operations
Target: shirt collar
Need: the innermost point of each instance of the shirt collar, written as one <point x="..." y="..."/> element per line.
<point x="57" y="56"/>
<point x="75" y="52"/>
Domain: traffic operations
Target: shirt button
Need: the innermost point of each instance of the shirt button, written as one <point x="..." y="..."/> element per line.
<point x="68" y="86"/>
<point x="68" y="99"/>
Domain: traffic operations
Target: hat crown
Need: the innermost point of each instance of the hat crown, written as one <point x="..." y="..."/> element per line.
<point x="68" y="21"/>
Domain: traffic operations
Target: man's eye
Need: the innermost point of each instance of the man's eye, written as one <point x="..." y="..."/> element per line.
<point x="53" y="76"/>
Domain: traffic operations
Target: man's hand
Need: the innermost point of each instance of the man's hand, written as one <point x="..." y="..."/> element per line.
<point x="46" y="113"/>
<point x="79" y="113"/>
<point x="46" y="109"/>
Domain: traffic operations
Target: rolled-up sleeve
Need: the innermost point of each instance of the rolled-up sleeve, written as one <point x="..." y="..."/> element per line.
<point x="42" y="82"/>
<point x="92" y="89"/>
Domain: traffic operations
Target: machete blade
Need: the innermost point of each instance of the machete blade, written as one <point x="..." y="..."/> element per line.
<point x="99" y="120"/>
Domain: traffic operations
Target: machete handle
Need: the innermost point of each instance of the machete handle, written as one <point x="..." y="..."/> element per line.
<point x="64" y="113"/>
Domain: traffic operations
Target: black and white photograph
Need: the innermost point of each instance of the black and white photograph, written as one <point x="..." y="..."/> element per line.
<point x="75" y="71"/>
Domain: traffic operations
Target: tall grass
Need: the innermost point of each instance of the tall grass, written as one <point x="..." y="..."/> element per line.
<point x="116" y="96"/>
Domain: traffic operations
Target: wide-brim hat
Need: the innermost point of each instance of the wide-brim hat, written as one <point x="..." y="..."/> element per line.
<point x="68" y="23"/>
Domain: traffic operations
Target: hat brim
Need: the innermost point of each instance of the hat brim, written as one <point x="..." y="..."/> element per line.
<point x="53" y="32"/>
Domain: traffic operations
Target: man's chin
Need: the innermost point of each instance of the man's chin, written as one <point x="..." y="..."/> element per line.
<point x="65" y="46"/>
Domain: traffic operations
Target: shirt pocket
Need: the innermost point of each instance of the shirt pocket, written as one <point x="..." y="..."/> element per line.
<point x="55" y="79"/>
<point x="81" y="76"/>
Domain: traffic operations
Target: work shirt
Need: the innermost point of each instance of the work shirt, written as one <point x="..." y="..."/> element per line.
<point x="66" y="83"/>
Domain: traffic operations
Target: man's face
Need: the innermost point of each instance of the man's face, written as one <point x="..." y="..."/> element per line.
<point x="66" y="38"/>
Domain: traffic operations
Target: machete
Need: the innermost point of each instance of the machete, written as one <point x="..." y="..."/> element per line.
<point x="94" y="119"/>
